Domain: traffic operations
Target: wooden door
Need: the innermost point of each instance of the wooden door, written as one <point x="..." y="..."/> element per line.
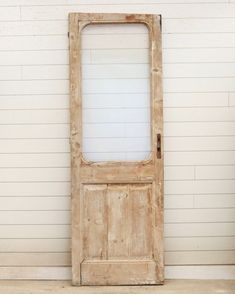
<point x="117" y="207"/>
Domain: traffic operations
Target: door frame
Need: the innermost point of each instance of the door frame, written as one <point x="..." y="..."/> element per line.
<point x="82" y="170"/>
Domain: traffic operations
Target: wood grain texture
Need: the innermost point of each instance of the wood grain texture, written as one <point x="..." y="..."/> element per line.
<point x="75" y="112"/>
<point x="118" y="222"/>
<point x="95" y="222"/>
<point x="110" y="273"/>
<point x="141" y="240"/>
<point x="117" y="207"/>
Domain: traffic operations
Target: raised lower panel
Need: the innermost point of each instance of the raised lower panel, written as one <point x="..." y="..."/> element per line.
<point x="119" y="234"/>
<point x="118" y="273"/>
<point x="117" y="222"/>
<point x="141" y="226"/>
<point x="95" y="222"/>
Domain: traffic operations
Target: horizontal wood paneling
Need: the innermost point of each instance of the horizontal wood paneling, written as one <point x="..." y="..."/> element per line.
<point x="210" y="158"/>
<point x="179" y="173"/>
<point x="199" y="230"/>
<point x="35" y="259"/>
<point x="199" y="70"/>
<point x="199" y="101"/>
<point x="34" y="231"/>
<point x="34" y="145"/>
<point x="42" y="72"/>
<point x="199" y="243"/>
<point x="30" y="101"/>
<point x="33" y="116"/>
<point x="199" y="39"/>
<point x="10" y="73"/>
<point x="202" y="272"/>
<point x="200" y="257"/>
<point x="15" y="43"/>
<point x="200" y="215"/>
<point x="34" y="217"/>
<point x="199" y="129"/>
<point x="34" y="189"/>
<point x="215" y="172"/>
<point x="183" y="85"/>
<point x="191" y="25"/>
<point x="34" y="160"/>
<point x="178" y="201"/>
<point x="200" y="114"/>
<point x="35" y="203"/>
<point x="171" y="11"/>
<point x="214" y="143"/>
<point x="196" y="99"/>
<point x="35" y="57"/>
<point x="32" y="130"/>
<point x="199" y="187"/>
<point x="215" y="200"/>
<point x="10" y="13"/>
<point x="25" y="28"/>
<point x="33" y="87"/>
<point x="187" y="55"/>
<point x="34" y="245"/>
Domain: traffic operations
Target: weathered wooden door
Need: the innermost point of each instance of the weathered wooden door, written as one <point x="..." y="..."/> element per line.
<point x="117" y="207"/>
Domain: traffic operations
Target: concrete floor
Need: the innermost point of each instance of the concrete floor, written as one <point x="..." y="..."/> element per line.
<point x="170" y="287"/>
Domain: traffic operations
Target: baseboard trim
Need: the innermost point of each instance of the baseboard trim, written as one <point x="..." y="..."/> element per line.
<point x="202" y="272"/>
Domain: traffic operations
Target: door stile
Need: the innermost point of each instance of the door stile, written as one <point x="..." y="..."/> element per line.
<point x="157" y="127"/>
<point x="75" y="144"/>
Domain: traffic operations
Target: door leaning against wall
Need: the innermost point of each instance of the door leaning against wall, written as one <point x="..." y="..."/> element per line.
<point x="117" y="157"/>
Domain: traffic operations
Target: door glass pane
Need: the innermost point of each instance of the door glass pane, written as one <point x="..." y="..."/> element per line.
<point x="116" y="92"/>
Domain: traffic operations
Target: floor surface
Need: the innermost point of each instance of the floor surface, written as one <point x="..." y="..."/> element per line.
<point x="170" y="287"/>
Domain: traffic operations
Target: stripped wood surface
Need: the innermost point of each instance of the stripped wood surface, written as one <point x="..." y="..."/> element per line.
<point x="111" y="273"/>
<point x="95" y="222"/>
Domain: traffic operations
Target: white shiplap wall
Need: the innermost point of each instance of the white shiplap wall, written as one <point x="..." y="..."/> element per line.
<point x="199" y="122"/>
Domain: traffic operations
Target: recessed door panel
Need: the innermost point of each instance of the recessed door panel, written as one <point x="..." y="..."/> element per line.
<point x="94" y="222"/>
<point x="141" y="241"/>
<point x="117" y="222"/>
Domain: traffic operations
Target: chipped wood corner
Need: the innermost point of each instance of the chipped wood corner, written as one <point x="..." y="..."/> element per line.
<point x="96" y="259"/>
